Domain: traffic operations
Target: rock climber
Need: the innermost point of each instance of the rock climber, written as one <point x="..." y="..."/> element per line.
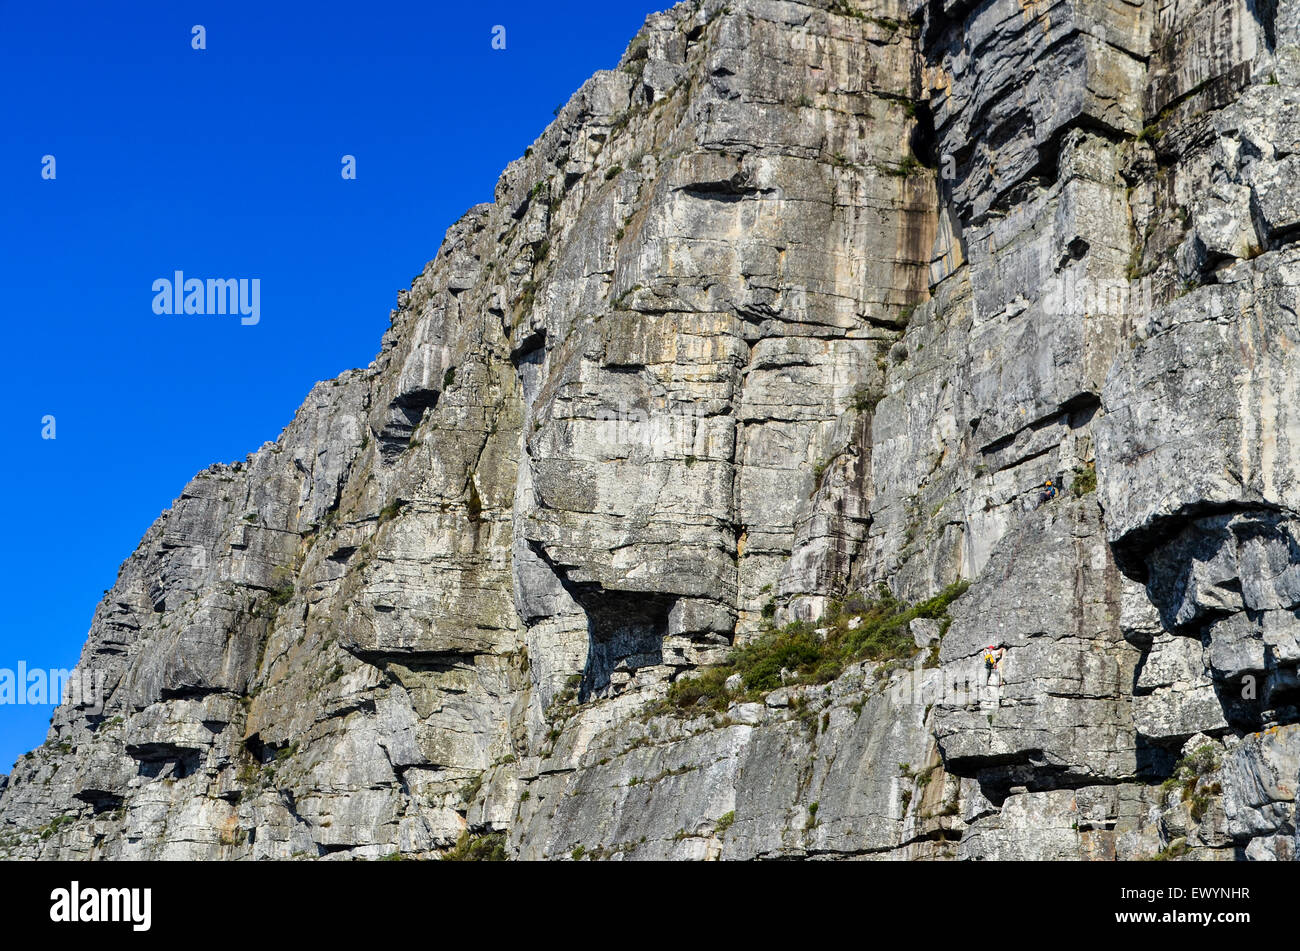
<point x="1050" y="491"/>
<point x="993" y="664"/>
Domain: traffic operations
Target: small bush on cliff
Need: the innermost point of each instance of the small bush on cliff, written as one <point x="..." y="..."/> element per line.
<point x="1085" y="481"/>
<point x="856" y="628"/>
<point x="1187" y="776"/>
<point x="477" y="848"/>
<point x="51" y="829"/>
<point x="867" y="398"/>
<point x="1175" y="850"/>
<point x="845" y="9"/>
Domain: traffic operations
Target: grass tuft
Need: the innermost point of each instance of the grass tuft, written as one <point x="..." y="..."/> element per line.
<point x="478" y="848"/>
<point x="879" y="632"/>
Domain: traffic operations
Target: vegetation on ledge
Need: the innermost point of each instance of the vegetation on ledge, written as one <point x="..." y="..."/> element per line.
<point x="855" y="629"/>
<point x="1188" y="776"/>
<point x="1085" y="480"/>
<point x="478" y="848"/>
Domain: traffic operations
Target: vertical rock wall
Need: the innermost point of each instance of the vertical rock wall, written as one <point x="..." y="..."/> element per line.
<point x="801" y="299"/>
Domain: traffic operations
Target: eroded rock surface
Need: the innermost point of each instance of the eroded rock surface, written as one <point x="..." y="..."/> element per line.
<point x="802" y="299"/>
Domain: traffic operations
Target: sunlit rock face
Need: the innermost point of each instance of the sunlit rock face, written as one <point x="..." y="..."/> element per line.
<point x="802" y="301"/>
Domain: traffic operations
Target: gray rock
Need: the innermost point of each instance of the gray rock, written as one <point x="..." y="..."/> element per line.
<point x="767" y="319"/>
<point x="924" y="631"/>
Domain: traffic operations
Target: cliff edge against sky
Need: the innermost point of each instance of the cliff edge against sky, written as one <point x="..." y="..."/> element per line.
<point x="774" y="335"/>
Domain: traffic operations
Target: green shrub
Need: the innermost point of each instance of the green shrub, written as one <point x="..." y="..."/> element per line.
<point x="867" y="398"/>
<point x="1085" y="481"/>
<point x="52" y="829"/>
<point x="1187" y="775"/>
<point x="478" y="848"/>
<point x="881" y="634"/>
<point x="1175" y="850"/>
<point x="707" y="689"/>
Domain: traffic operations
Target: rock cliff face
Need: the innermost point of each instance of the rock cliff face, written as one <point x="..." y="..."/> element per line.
<point x="802" y="300"/>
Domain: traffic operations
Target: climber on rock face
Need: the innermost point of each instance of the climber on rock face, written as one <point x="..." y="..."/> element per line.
<point x="1049" y="492"/>
<point x="993" y="664"/>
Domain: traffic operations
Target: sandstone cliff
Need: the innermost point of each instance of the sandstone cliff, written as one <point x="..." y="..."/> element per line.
<point x="802" y="300"/>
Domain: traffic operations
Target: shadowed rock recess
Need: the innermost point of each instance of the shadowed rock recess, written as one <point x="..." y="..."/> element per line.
<point x="802" y="300"/>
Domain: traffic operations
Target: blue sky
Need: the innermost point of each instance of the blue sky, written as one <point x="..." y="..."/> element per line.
<point x="223" y="162"/>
